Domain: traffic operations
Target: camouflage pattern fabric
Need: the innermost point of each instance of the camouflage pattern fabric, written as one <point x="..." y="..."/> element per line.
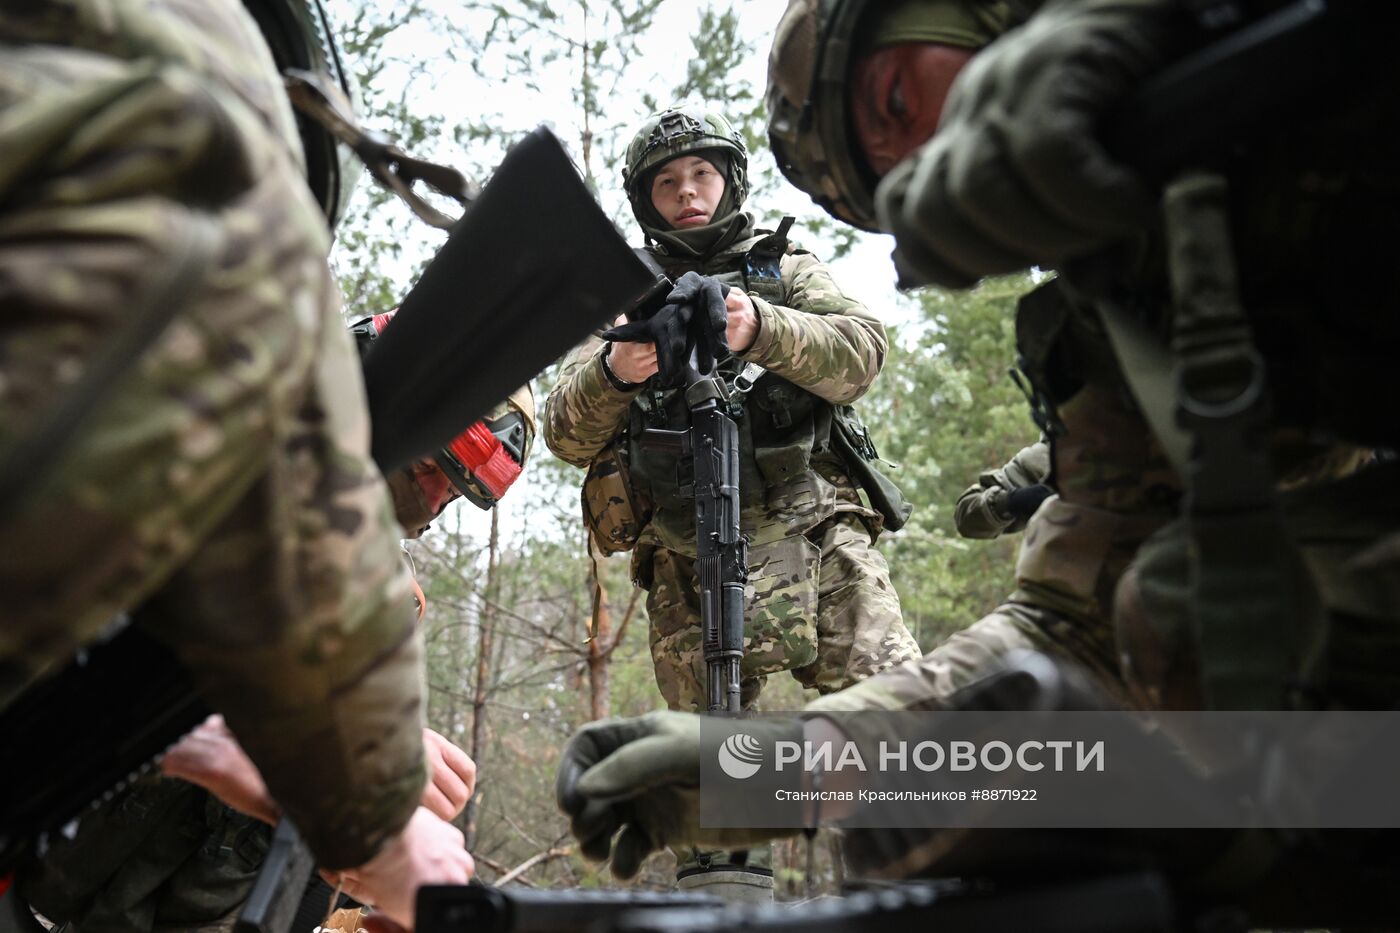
<point x="225" y="482"/>
<point x="981" y="512"/>
<point x="812" y="568"/>
<point x="161" y="855"/>
<point x="1346" y="530"/>
<point x="823" y="607"/>
<point x="1070" y="563"/>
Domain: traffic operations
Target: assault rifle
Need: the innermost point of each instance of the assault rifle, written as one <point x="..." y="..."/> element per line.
<point x="504" y="296"/>
<point x="1133" y="903"/>
<point x="711" y="444"/>
<point x="1132" y="898"/>
<point x="479" y="908"/>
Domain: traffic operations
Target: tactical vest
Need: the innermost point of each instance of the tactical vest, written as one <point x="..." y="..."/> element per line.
<point x="780" y="425"/>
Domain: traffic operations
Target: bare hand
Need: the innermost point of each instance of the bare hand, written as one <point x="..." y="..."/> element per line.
<point x="632" y="362"/>
<point x="453" y="776"/>
<point x="378" y="923"/>
<point x="428" y="851"/>
<point x="212" y="758"/>
<point x="742" y="327"/>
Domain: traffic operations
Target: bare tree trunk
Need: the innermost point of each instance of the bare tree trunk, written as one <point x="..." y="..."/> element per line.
<point x="587" y="139"/>
<point x="483" y="672"/>
<point x="599" y="653"/>
<point x="838" y="862"/>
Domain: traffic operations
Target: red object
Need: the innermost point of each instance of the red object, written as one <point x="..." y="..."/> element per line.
<point x="381" y="321"/>
<point x="486" y="458"/>
<point x="476" y="448"/>
<point x="5" y="882"/>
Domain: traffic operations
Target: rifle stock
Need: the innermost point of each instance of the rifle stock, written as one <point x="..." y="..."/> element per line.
<point x="531" y="268"/>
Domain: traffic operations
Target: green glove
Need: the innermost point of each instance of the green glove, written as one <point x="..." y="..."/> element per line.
<point x="642" y="776"/>
<point x="1015" y="175"/>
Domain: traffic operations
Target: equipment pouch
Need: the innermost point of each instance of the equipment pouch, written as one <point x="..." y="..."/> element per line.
<point x="782" y="430"/>
<point x="613" y="512"/>
<point x="851" y="440"/>
<point x="780" y="615"/>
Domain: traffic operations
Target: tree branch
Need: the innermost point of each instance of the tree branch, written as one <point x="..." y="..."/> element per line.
<point x="530" y="863"/>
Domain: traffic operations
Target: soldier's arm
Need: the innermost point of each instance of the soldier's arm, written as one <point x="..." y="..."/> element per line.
<point x="224" y="484"/>
<point x="584" y="411"/>
<point x="823" y="340"/>
<point x="982" y="511"/>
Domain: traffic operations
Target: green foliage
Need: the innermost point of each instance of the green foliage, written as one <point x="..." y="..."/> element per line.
<point x="946" y="410"/>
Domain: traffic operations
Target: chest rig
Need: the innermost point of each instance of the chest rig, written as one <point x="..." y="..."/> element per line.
<point x="778" y="422"/>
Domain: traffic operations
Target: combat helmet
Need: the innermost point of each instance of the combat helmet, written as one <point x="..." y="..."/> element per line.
<point x="486" y="459"/>
<point x="299" y="34"/>
<point x="809" y="127"/>
<point x="679" y="131"/>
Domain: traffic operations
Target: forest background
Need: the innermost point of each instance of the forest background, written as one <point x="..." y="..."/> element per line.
<point x="520" y="653"/>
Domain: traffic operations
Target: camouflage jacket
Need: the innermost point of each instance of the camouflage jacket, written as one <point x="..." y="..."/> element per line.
<point x="819" y="347"/>
<point x="981" y="509"/>
<point x="149" y="160"/>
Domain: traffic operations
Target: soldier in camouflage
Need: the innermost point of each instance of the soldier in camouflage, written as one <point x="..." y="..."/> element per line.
<point x="151" y="165"/>
<point x="1016" y="175"/>
<point x="819" y="599"/>
<point x="820" y="603"/>
<point x="165" y="854"/>
<point x="1112" y="542"/>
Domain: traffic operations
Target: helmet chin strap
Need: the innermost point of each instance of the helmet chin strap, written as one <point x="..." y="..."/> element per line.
<point x="700" y="242"/>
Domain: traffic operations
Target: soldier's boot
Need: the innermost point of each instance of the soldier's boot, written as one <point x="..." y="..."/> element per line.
<point x="742" y="877"/>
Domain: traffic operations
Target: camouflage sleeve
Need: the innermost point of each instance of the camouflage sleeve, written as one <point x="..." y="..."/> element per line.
<point x="981" y="510"/>
<point x="223" y="484"/>
<point x="823" y="340"/>
<point x="584" y="411"/>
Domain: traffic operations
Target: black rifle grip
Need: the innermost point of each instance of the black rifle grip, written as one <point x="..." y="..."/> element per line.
<point x="277" y="891"/>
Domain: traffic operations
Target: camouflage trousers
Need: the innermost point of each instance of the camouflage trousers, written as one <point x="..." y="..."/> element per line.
<point x="819" y="605"/>
<point x="1072" y="555"/>
<point x="161" y="855"/>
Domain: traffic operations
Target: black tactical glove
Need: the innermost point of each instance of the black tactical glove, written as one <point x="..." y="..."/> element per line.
<point x="642" y="776"/>
<point x="1022" y="503"/>
<point x="705" y="295"/>
<point x="1016" y="175"/>
<point x="669" y="328"/>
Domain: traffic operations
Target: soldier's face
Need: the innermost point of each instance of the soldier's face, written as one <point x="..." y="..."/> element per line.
<point x="686" y="191"/>
<point x="420" y="493"/>
<point x="897" y="96"/>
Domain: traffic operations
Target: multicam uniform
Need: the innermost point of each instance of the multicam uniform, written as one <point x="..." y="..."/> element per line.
<point x="981" y="511"/>
<point x="149" y="160"/>
<point x="820" y="601"/>
<point x="1307" y="209"/>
